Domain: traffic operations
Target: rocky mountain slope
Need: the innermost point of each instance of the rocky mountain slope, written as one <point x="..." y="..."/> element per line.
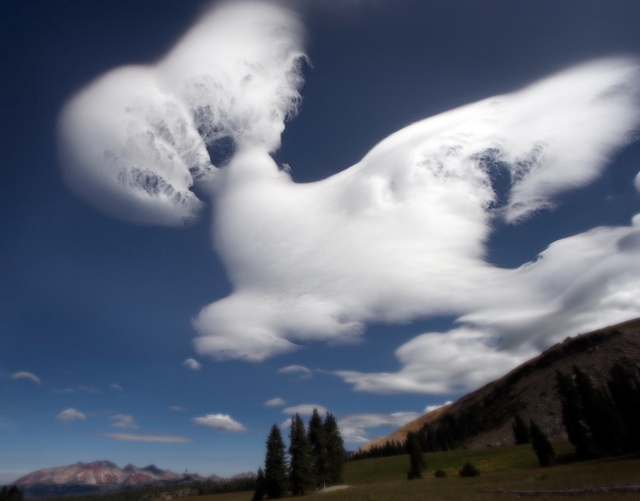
<point x="100" y="476"/>
<point x="529" y="390"/>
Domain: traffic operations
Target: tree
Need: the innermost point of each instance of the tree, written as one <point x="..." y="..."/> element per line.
<point x="624" y="386"/>
<point x="275" y="465"/>
<point x="300" y="459"/>
<point x="541" y="445"/>
<point x="573" y="416"/>
<point x="318" y="449"/>
<point x="335" y="450"/>
<point x="520" y="430"/>
<point x="259" y="492"/>
<point x="469" y="470"/>
<point x="415" y="456"/>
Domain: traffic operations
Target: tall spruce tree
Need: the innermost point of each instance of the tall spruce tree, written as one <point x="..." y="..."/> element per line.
<point x="259" y="491"/>
<point x="520" y="429"/>
<point x="275" y="465"/>
<point x="318" y="449"/>
<point x="335" y="450"/>
<point x="573" y="416"/>
<point x="541" y="445"/>
<point x="416" y="460"/>
<point x="300" y="459"/>
<point x="624" y="385"/>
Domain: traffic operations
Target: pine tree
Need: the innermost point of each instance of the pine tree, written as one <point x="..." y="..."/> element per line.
<point x="318" y="449"/>
<point x="520" y="431"/>
<point x="300" y="459"/>
<point x="541" y="445"/>
<point x="573" y="416"/>
<point x="275" y="465"/>
<point x="415" y="457"/>
<point x="335" y="450"/>
<point x="259" y="492"/>
<point x="624" y="386"/>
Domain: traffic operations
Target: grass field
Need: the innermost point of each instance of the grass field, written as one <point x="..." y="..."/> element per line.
<point x="502" y="468"/>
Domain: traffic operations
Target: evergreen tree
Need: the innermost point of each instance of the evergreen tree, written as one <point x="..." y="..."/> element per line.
<point x="415" y="457"/>
<point x="300" y="459"/>
<point x="335" y="450"/>
<point x="318" y="449"/>
<point x="259" y="492"/>
<point x="624" y="386"/>
<point x="520" y="431"/>
<point x="573" y="416"/>
<point x="275" y="465"/>
<point x="601" y="418"/>
<point x="541" y="445"/>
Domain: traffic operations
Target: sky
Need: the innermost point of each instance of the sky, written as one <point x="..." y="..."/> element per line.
<point x="216" y="215"/>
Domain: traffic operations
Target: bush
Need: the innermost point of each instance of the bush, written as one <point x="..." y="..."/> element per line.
<point x="469" y="470"/>
<point x="440" y="473"/>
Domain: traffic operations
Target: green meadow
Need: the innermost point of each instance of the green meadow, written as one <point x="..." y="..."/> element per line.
<point x="513" y="468"/>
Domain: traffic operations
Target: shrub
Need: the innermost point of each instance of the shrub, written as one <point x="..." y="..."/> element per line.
<point x="440" y="473"/>
<point x="469" y="470"/>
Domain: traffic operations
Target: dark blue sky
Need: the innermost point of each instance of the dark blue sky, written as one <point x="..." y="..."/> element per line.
<point x="101" y="310"/>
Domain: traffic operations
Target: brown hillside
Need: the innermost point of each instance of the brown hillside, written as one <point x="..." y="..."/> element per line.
<point x="530" y="389"/>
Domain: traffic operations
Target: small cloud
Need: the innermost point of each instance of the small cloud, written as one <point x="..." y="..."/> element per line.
<point x="163" y="439"/>
<point x="303" y="371"/>
<point x="220" y="422"/>
<point x="305" y="409"/>
<point x="192" y="364"/>
<point x="354" y="428"/>
<point x="275" y="402"/>
<point x="79" y="389"/>
<point x="177" y="408"/>
<point x="430" y="408"/>
<point x="286" y="424"/>
<point x="124" y="421"/>
<point x="69" y="415"/>
<point x="25" y="375"/>
<point x="116" y="387"/>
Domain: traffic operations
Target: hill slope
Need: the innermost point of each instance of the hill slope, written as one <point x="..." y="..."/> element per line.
<point x="487" y="413"/>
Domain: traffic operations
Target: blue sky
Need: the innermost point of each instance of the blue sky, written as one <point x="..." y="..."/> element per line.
<point x="375" y="292"/>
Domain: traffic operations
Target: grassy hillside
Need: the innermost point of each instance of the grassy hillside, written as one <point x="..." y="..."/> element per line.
<point x="507" y="468"/>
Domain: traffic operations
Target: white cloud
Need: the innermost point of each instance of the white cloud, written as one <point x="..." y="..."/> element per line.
<point x="275" y="402"/>
<point x="176" y="408"/>
<point x="301" y="370"/>
<point x="305" y="409"/>
<point x="192" y="364"/>
<point x="163" y="439"/>
<point x="69" y="415"/>
<point x="123" y="421"/>
<point x="430" y="408"/>
<point x="25" y="375"/>
<point x="353" y="428"/>
<point x="79" y="389"/>
<point x="400" y="235"/>
<point x="220" y="422"/>
<point x="116" y="387"/>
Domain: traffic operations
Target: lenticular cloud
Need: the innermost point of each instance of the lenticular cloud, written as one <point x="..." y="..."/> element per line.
<point x="399" y="235"/>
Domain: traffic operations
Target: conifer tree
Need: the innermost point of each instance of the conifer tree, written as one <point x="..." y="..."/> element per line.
<point x="416" y="459"/>
<point x="520" y="430"/>
<point x="275" y="465"/>
<point x="300" y="459"/>
<point x="318" y="449"/>
<point x="335" y="450"/>
<point x="259" y="492"/>
<point x="573" y="416"/>
<point x="624" y="386"/>
<point x="541" y="445"/>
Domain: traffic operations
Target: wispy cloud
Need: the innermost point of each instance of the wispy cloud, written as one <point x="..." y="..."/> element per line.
<point x="163" y="439"/>
<point x="176" y="408"/>
<point x="123" y="421"/>
<point x="69" y="415"/>
<point x="302" y="371"/>
<point x="79" y="389"/>
<point x="192" y="364"/>
<point x="25" y="375"/>
<point x="115" y="387"/>
<point x="275" y="402"/>
<point x="305" y="409"/>
<point x="220" y="422"/>
<point x="430" y="408"/>
<point x="353" y="428"/>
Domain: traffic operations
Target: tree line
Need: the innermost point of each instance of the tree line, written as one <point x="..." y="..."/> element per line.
<point x="314" y="459"/>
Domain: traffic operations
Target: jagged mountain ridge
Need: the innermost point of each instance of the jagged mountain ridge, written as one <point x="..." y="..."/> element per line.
<point x="102" y="476"/>
<point x="530" y="389"/>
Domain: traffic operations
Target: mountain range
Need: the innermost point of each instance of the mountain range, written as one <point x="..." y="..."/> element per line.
<point x="102" y="476"/>
<point x="484" y="418"/>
